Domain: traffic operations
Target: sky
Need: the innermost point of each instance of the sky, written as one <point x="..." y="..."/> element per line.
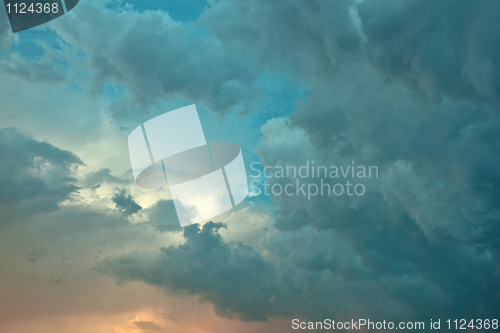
<point x="411" y="87"/>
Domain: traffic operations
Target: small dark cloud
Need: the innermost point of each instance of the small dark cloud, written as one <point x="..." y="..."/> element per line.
<point x="55" y="281"/>
<point x="125" y="203"/>
<point x="147" y="325"/>
<point x="156" y="57"/>
<point x="438" y="48"/>
<point x="309" y="37"/>
<point x="34" y="255"/>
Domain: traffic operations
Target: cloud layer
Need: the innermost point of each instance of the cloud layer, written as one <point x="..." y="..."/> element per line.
<point x="34" y="174"/>
<point x="408" y="87"/>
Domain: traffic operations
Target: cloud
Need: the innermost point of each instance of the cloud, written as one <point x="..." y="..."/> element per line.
<point x="423" y="240"/>
<point x="300" y="268"/>
<point x="441" y="49"/>
<point x="315" y="274"/>
<point x="233" y="277"/>
<point x="102" y="176"/>
<point x="294" y="36"/>
<point x="412" y="90"/>
<point x="125" y="203"/>
<point x="163" y="216"/>
<point x="34" y="174"/>
<point x="147" y="325"/>
<point x="157" y="57"/>
<point x="43" y="70"/>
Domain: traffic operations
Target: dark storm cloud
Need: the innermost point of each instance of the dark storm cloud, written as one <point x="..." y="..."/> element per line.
<point x="233" y="277"/>
<point x="435" y="204"/>
<point x="155" y="56"/>
<point x="104" y="176"/>
<point x="445" y="48"/>
<point x="315" y="275"/>
<point x="34" y="174"/>
<point x="432" y="211"/>
<point x="296" y="36"/>
<point x="438" y="162"/>
<point x="125" y="203"/>
<point x="423" y="241"/>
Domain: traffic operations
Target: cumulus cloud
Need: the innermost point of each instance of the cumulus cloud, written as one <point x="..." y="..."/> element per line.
<point x="33" y="173"/>
<point x="234" y="277"/>
<point x="157" y="57"/>
<point x="125" y="203"/>
<point x="425" y="216"/>
<point x="42" y="70"/>
<point x="163" y="216"/>
<point x="316" y="274"/>
<point x="423" y="240"/>
<point x="307" y="37"/>
<point x="441" y="49"/>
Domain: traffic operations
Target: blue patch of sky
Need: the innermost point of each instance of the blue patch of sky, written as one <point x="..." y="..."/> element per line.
<point x="31" y="41"/>
<point x="179" y="10"/>
<point x="283" y="94"/>
<point x="244" y="130"/>
<point x="115" y="90"/>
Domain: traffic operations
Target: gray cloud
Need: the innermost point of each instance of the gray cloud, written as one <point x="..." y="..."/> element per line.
<point x="441" y="49"/>
<point x="433" y="210"/>
<point x="423" y="241"/>
<point x="125" y="203"/>
<point x="306" y="37"/>
<point x="157" y="57"/>
<point x="233" y="277"/>
<point x="34" y="174"/>
<point x="147" y="325"/>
